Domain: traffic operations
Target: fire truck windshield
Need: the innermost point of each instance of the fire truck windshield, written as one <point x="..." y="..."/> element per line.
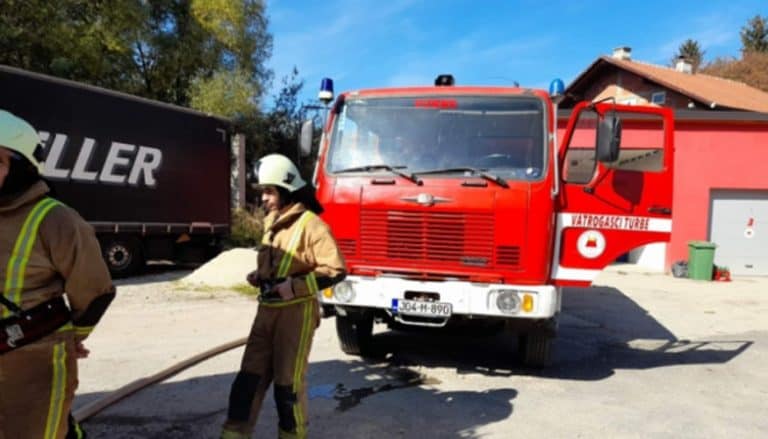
<point x="501" y="135"/>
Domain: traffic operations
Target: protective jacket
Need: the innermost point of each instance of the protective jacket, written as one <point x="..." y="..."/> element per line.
<point x="47" y="251"/>
<point x="297" y="245"/>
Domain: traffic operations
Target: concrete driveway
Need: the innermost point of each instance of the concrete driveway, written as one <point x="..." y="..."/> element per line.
<point x="639" y="355"/>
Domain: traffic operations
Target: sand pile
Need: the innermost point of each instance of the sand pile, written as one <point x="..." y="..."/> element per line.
<point x="225" y="270"/>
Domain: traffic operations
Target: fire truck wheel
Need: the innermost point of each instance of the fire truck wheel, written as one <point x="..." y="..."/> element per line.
<point x="535" y="349"/>
<point x="354" y="333"/>
<point x="122" y="255"/>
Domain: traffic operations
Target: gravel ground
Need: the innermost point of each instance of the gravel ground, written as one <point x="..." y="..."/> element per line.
<point x="638" y="355"/>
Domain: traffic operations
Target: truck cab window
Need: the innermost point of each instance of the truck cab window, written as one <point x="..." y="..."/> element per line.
<point x="503" y="135"/>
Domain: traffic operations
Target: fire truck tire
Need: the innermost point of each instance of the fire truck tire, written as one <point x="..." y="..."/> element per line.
<point x="355" y="333"/>
<point x="122" y="254"/>
<point x="535" y="349"/>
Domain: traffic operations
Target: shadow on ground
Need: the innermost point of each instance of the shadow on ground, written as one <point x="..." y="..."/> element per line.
<point x="344" y="402"/>
<point x="601" y="330"/>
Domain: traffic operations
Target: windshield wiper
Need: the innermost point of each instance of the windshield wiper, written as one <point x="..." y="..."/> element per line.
<point x="481" y="172"/>
<point x="393" y="169"/>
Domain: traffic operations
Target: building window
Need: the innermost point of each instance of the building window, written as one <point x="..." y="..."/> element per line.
<point x="659" y="97"/>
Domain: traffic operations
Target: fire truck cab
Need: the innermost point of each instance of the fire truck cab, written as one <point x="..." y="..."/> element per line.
<point x="469" y="204"/>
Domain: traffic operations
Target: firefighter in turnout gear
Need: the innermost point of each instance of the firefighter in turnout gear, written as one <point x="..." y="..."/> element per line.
<point x="298" y="258"/>
<point x="47" y="252"/>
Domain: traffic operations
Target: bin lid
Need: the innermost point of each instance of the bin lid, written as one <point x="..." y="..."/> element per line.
<point x="701" y="244"/>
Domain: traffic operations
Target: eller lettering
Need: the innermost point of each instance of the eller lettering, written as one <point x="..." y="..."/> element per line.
<point x="125" y="164"/>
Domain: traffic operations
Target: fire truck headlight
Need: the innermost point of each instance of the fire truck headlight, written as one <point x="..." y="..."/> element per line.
<point x="344" y="291"/>
<point x="507" y="301"/>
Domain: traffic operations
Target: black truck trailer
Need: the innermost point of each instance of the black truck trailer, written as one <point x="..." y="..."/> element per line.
<point x="152" y="178"/>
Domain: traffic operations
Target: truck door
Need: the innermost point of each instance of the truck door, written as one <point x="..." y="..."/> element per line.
<point x="615" y="174"/>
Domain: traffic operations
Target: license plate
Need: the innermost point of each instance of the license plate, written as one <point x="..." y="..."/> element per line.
<point x="420" y="308"/>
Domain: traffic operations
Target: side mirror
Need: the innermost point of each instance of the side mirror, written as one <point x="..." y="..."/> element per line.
<point x="608" y="138"/>
<point x="305" y="138"/>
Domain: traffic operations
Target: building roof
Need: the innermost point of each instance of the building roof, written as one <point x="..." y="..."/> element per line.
<point x="712" y="91"/>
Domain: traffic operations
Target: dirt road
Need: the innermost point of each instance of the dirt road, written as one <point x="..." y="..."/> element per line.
<point x="639" y="355"/>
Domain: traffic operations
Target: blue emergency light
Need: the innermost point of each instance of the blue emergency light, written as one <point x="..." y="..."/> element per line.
<point x="326" y="90"/>
<point x="556" y="89"/>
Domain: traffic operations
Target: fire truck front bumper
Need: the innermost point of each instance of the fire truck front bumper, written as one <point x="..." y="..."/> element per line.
<point x="407" y="299"/>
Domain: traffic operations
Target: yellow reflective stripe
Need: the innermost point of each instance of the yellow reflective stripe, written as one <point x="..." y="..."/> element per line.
<point x="287" y="259"/>
<point x="282" y="303"/>
<point x="83" y="330"/>
<point x="282" y="434"/>
<point x="312" y="283"/>
<point x="17" y="263"/>
<point x="298" y="371"/>
<point x="229" y="434"/>
<point x="58" y="382"/>
<point x="67" y="327"/>
<point x="78" y="431"/>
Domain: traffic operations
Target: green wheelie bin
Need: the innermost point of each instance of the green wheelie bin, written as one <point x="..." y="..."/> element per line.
<point x="701" y="258"/>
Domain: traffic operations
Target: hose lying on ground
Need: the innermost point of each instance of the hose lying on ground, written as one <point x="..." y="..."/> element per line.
<point x="100" y="404"/>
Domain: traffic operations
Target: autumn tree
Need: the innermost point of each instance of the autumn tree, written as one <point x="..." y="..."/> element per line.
<point x="751" y="69"/>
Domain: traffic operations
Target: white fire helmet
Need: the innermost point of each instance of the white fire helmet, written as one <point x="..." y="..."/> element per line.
<point x="17" y="135"/>
<point x="277" y="170"/>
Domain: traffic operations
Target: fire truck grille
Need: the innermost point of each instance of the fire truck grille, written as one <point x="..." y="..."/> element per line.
<point x="436" y="237"/>
<point x="508" y="255"/>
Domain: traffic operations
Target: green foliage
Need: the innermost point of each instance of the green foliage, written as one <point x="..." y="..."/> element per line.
<point x="226" y="93"/>
<point x="691" y="51"/>
<point x="89" y="41"/>
<point x="277" y="130"/>
<point x="152" y="48"/>
<point x="754" y="36"/>
<point x="246" y="228"/>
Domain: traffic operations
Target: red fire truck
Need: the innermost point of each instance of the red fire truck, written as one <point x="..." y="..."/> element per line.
<point x="459" y="204"/>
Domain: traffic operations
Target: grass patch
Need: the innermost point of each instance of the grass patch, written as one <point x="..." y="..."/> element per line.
<point x="245" y="289"/>
<point x="242" y="288"/>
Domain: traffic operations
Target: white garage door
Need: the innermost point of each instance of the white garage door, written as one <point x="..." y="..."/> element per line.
<point x="739" y="226"/>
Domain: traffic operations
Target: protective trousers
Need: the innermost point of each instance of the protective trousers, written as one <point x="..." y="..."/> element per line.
<point x="37" y="386"/>
<point x="277" y="350"/>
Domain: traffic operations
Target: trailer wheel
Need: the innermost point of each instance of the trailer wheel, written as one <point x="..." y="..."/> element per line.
<point x="123" y="255"/>
<point x="355" y="333"/>
<point x="535" y="349"/>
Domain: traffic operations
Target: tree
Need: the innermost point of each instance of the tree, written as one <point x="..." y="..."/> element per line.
<point x="277" y="129"/>
<point x="159" y="49"/>
<point x="754" y="36"/>
<point x="751" y="69"/>
<point x="191" y="44"/>
<point x="75" y="39"/>
<point x="691" y="51"/>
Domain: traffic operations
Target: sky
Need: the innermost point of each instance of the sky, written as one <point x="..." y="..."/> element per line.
<point x="367" y="44"/>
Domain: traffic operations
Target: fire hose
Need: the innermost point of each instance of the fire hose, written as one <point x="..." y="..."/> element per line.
<point x="88" y="410"/>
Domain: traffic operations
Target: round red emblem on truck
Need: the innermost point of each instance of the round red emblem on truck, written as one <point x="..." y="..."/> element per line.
<point x="591" y="244"/>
